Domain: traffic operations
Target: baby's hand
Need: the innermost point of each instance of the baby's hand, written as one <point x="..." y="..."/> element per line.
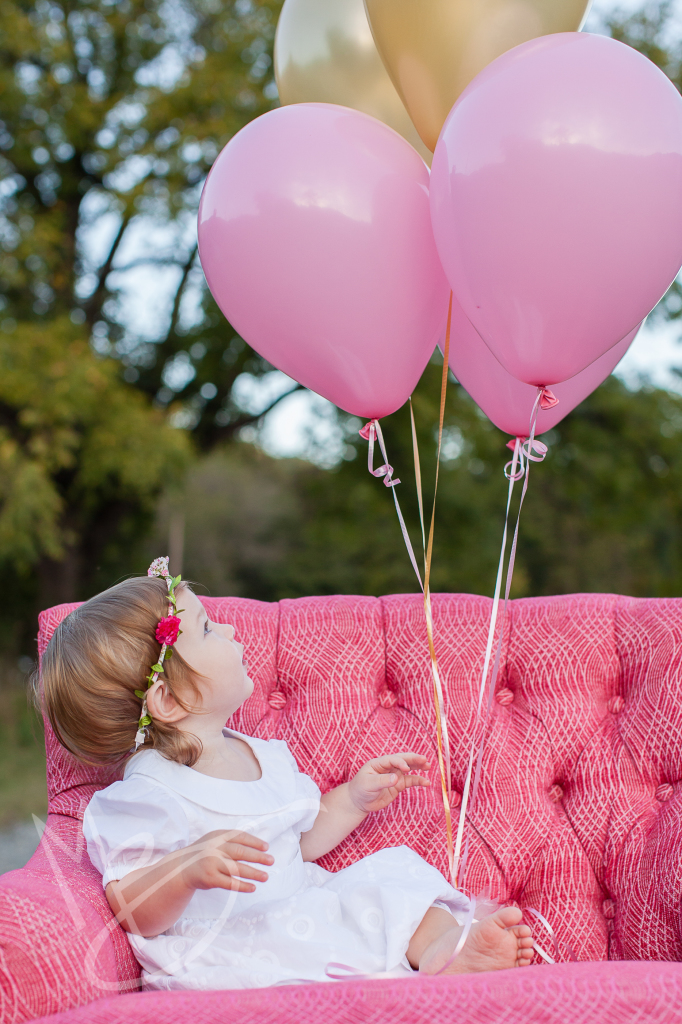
<point x="380" y="780"/>
<point x="215" y="861"/>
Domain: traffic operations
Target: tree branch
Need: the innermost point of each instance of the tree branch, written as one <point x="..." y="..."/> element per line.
<point x="93" y="307"/>
<point x="157" y="261"/>
<point x="215" y="433"/>
<point x="175" y="312"/>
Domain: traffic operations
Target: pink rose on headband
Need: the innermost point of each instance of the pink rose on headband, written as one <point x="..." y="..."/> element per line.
<point x="167" y="630"/>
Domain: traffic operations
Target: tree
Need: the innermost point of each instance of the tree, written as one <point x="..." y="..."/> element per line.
<point x="111" y="112"/>
<point x="82" y="458"/>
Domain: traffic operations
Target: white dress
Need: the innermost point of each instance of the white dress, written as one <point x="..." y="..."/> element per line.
<point x="299" y="920"/>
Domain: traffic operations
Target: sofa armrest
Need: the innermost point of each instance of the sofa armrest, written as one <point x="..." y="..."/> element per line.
<point x="60" y="946"/>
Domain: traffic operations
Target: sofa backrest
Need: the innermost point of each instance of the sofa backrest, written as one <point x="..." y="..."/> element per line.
<point x="578" y="814"/>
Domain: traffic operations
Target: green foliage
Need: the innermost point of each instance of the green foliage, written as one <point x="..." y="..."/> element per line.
<point x="111" y="114"/>
<point x="653" y="29"/>
<point x="73" y="439"/>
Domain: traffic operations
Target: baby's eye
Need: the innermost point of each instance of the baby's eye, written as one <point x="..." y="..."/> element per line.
<point x="206" y="627"/>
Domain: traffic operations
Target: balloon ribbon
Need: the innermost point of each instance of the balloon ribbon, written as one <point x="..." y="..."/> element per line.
<point x="525" y="451"/>
<point x="369" y="431"/>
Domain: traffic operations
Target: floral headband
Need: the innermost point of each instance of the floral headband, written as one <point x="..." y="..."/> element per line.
<point x="167" y="632"/>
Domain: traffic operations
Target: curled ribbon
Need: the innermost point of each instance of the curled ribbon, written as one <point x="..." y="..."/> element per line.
<point x="545" y="923"/>
<point x="369" y="432"/>
<point x="535" y="451"/>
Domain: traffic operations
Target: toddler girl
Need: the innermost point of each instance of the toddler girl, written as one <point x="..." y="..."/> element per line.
<point x="207" y="846"/>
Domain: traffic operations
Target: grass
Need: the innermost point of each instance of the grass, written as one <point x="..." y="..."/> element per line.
<point x="23" y="790"/>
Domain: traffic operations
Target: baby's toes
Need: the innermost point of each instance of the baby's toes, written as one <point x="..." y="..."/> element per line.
<point x="521" y="931"/>
<point x="523" y="961"/>
<point x="508" y="917"/>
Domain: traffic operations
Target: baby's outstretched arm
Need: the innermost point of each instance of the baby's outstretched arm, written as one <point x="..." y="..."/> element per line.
<point x="149" y="900"/>
<point x="375" y="786"/>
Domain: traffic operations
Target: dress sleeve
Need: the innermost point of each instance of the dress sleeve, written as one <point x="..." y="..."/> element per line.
<point x="132" y="824"/>
<point x="307" y="792"/>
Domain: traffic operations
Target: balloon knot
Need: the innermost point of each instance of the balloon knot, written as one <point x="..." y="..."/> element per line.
<point x="548" y="399"/>
<point x="364" y="433"/>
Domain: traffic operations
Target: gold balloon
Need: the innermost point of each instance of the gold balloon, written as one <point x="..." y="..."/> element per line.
<point x="433" y="48"/>
<point x="324" y="53"/>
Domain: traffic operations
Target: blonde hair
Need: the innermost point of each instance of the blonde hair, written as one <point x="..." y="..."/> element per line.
<point x="96" y="659"/>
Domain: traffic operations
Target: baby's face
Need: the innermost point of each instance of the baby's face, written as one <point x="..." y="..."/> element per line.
<point x="211" y="650"/>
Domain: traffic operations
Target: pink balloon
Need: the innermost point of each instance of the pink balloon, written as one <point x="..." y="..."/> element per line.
<point x="556" y="200"/>
<point x="315" y="238"/>
<point x="507" y="401"/>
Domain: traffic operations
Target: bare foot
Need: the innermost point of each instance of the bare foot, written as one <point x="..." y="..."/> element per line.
<point x="493" y="944"/>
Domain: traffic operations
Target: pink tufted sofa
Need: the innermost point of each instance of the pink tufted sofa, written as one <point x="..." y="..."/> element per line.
<point x="579" y="813"/>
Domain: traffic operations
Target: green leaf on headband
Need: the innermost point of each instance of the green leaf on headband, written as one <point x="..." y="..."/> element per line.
<point x="168" y="654"/>
<point x="145" y="721"/>
<point x="150" y="678"/>
<point x="140" y="694"/>
<point x="157" y="668"/>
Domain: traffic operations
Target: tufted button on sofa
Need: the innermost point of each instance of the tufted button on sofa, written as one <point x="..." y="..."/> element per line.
<point x="575" y="817"/>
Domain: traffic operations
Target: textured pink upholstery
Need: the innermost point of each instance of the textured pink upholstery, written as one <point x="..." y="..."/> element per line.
<point x="578" y="812"/>
<point x="591" y="993"/>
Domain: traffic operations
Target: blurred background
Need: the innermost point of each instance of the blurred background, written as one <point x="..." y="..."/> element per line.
<point x="135" y="422"/>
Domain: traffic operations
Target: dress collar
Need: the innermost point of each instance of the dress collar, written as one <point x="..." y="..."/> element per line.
<point x="227" y="796"/>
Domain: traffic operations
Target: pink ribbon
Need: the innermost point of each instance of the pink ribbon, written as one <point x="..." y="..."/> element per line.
<point x="526" y="450"/>
<point x="369" y="432"/>
<point x="344" y="972"/>
<point x="545" y="923"/>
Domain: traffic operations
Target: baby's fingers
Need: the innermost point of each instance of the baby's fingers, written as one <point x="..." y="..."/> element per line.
<point x="243" y="870"/>
<point x="410" y="759"/>
<point x="238" y="852"/>
<point x="234" y="883"/>
<point x="402" y="781"/>
<point x="375" y="783"/>
<point x="416" y="780"/>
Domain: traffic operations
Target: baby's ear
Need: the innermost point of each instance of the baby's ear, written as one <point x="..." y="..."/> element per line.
<point x="163" y="705"/>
